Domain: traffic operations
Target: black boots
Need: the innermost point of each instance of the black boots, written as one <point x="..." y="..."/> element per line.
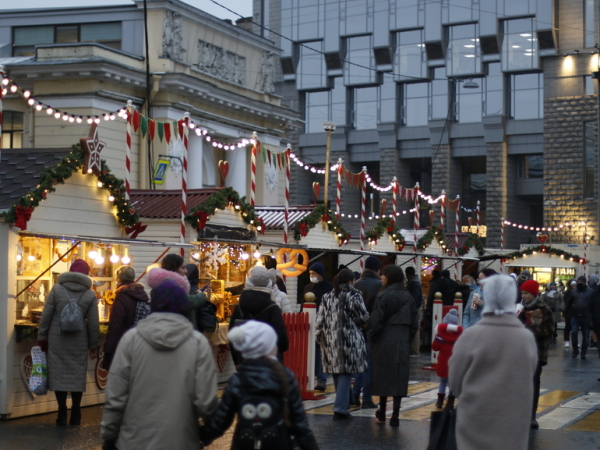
<point x="440" y="401"/>
<point x="76" y="408"/>
<point x="380" y="413"/>
<point x="61" y="399"/>
<point x="451" y="399"/>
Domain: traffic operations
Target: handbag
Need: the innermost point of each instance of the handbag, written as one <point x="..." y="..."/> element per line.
<point x="38" y="381"/>
<point x="442" y="434"/>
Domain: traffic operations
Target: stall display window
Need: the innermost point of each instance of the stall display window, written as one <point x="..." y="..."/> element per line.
<point x="33" y="257"/>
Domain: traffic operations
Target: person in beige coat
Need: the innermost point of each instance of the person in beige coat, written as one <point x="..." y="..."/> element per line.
<point x="162" y="379"/>
<point x="491" y="370"/>
<point x="67" y="353"/>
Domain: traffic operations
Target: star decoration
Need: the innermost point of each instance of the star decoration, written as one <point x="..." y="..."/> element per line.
<point x="92" y="147"/>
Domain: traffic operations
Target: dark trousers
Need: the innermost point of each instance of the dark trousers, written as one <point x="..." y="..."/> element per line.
<point x="397" y="400"/>
<point x="576" y="323"/>
<point x="567" y="329"/>
<point x="536" y="388"/>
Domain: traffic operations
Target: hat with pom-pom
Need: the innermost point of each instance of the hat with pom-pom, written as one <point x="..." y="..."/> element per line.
<point x="170" y="297"/>
<point x="253" y="339"/>
<point x="451" y="317"/>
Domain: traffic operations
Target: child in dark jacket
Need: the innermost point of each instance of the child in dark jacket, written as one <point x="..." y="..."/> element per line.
<point x="265" y="396"/>
<point x="446" y="335"/>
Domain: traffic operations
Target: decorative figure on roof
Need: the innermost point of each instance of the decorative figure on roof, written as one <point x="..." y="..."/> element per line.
<point x="92" y="147"/>
<point x="173" y="36"/>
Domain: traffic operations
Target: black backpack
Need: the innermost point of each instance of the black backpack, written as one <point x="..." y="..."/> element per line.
<point x="206" y="317"/>
<point x="263" y="420"/>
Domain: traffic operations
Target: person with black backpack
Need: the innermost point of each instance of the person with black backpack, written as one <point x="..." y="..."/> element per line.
<point x="263" y="394"/>
<point x="256" y="304"/>
<point x="206" y="313"/>
<point x="130" y="306"/>
<point x="68" y="330"/>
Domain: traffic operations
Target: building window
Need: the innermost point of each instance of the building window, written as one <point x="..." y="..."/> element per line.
<point x="438" y="106"/>
<point x="410" y="60"/>
<point x="531" y="166"/>
<point x="493" y="101"/>
<point x="527" y="96"/>
<point x="589" y="153"/>
<point x="463" y="56"/>
<point x="360" y="62"/>
<point x="415" y="104"/>
<point x="589" y="19"/>
<point x="311" y="73"/>
<point x="325" y="106"/>
<point x="307" y="15"/>
<point x="520" y="46"/>
<point x="12" y="129"/>
<point x="365" y="108"/>
<point x="469" y="101"/>
<point x="26" y="38"/>
<point x="387" y="99"/>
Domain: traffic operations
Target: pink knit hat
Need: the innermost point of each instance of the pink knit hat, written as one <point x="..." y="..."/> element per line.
<point x="79" y="265"/>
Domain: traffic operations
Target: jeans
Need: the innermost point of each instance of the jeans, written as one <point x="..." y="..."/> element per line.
<point x="582" y="322"/>
<point x="321" y="377"/>
<point x="567" y="329"/>
<point x="362" y="381"/>
<point x="341" y="382"/>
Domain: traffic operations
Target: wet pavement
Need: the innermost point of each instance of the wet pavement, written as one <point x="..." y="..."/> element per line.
<point x="569" y="415"/>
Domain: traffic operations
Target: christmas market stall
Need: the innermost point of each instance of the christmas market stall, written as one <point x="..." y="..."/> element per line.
<point x="56" y="205"/>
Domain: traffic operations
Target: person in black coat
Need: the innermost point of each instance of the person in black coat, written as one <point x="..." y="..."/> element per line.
<point x="454" y="286"/>
<point x="580" y="309"/>
<point x="437" y="284"/>
<point x="319" y="286"/>
<point x="263" y="394"/>
<point x="255" y="303"/>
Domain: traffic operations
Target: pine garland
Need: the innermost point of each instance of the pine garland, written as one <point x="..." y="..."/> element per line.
<point x="321" y="214"/>
<point x="434" y="232"/>
<point x="383" y="225"/>
<point x="472" y="240"/>
<point x="200" y="214"/>
<point x="548" y="251"/>
<point x="51" y="176"/>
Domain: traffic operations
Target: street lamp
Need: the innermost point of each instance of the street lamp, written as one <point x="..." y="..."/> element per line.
<point x="329" y="128"/>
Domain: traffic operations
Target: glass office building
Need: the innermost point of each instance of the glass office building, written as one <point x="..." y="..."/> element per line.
<point x="491" y="100"/>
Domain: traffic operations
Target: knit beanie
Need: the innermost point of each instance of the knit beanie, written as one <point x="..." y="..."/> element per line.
<point x="318" y="268"/>
<point x="254" y="339"/>
<point x="531" y="286"/>
<point x="258" y="277"/>
<point x="169" y="296"/>
<point x="451" y="317"/>
<point x="373" y="263"/>
<point x="80" y="266"/>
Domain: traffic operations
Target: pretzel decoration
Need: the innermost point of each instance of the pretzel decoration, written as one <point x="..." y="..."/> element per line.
<point x="292" y="268"/>
<point x="109" y="296"/>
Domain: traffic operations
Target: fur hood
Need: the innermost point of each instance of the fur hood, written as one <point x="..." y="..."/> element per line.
<point x="156" y="276"/>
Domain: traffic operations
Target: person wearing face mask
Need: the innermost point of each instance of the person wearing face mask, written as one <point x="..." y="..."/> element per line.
<point x="318" y="286"/>
<point x="537" y="318"/>
<point x="580" y="309"/>
<point x="554" y="299"/>
<point x="256" y="304"/>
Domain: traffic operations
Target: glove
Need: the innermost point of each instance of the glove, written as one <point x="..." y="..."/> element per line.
<point x="109" y="445"/>
<point x="43" y="345"/>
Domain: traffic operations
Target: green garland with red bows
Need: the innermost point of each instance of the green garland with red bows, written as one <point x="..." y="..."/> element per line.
<point x="387" y="225"/>
<point x="199" y="215"/>
<point x="20" y="213"/>
<point x="548" y="251"/>
<point x="321" y="214"/>
<point x="472" y="241"/>
<point x="434" y="232"/>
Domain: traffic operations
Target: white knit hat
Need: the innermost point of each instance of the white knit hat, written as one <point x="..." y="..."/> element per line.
<point x="500" y="294"/>
<point x="254" y="339"/>
<point x="258" y="277"/>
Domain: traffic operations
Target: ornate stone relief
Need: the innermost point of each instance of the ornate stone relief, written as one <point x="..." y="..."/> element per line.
<point x="221" y="63"/>
<point x="173" y="36"/>
<point x="266" y="79"/>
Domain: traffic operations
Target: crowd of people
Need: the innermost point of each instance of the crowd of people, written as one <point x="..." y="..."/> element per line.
<point x="163" y="377"/>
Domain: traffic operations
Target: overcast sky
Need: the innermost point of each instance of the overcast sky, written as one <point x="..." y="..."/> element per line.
<point x="243" y="7"/>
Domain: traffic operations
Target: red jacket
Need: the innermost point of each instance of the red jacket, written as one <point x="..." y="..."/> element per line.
<point x="443" y="343"/>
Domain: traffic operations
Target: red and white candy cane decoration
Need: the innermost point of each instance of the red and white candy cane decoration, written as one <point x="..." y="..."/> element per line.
<point x="443" y="210"/>
<point x="478" y="216"/>
<point x="501" y="244"/>
<point x="394" y="198"/>
<point x="287" y="194"/>
<point x="185" y="125"/>
<point x="338" y="199"/>
<point x="128" y="149"/>
<point x="363" y="213"/>
<point x="585" y="249"/>
<point x="457" y="224"/>
<point x="253" y="169"/>
<point x="416" y="221"/>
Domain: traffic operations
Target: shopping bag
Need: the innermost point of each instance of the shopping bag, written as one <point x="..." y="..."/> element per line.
<point x="38" y="381"/>
<point x="442" y="434"/>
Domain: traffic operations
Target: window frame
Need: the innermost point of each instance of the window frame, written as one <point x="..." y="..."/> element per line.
<point x="11" y="131"/>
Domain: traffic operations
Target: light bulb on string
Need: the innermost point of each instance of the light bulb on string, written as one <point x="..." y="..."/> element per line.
<point x="38" y="107"/>
<point x="26" y="94"/>
<point x="31" y="258"/>
<point x="245" y="256"/>
<point x="125" y="259"/>
<point x="13" y="88"/>
<point x="49" y="111"/>
<point x="99" y="260"/>
<point x="114" y="258"/>
<point x="257" y="254"/>
<point x="19" y="257"/>
<point x="93" y="254"/>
